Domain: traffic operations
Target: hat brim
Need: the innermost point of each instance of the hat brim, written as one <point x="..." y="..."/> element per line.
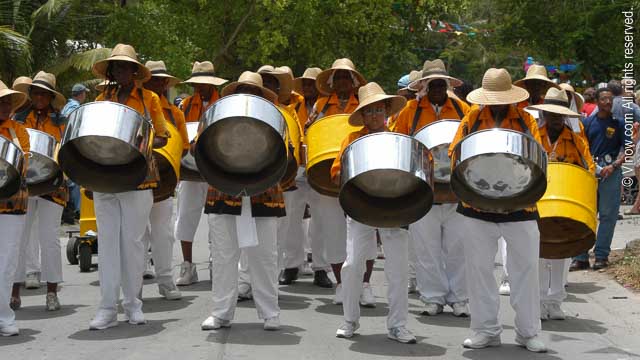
<point x="18" y="98"/>
<point x="206" y="80"/>
<point x="23" y="88"/>
<point x="266" y="93"/>
<point x="321" y="79"/>
<point x="521" y="82"/>
<point x="58" y="100"/>
<point x="397" y="104"/>
<point x="487" y="97"/>
<point x="284" y="81"/>
<point x="414" y="85"/>
<point x="298" y="83"/>
<point x="556" y="109"/>
<point x="100" y="68"/>
<point x="173" y="81"/>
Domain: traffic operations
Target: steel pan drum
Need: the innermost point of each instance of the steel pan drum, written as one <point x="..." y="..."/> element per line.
<point x="168" y="159"/>
<point x="294" y="138"/>
<point x="11" y="167"/>
<point x="567" y="212"/>
<point x="324" y="140"/>
<point x="189" y="169"/>
<point x="436" y="137"/>
<point x="499" y="170"/>
<point x="106" y="146"/>
<point x="241" y="150"/>
<point x="387" y="180"/>
<point x="43" y="173"/>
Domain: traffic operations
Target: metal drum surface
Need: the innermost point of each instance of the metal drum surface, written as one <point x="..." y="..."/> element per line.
<point x="43" y="173"/>
<point x="294" y="143"/>
<point x="189" y="169"/>
<point x="436" y="137"/>
<point x="168" y="159"/>
<point x="568" y="211"/>
<point x="499" y="170"/>
<point x="11" y="167"/>
<point x="386" y="180"/>
<point x="240" y="149"/>
<point x="324" y="140"/>
<point x="106" y="147"/>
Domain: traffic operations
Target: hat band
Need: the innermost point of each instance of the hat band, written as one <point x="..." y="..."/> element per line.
<point x="41" y="82"/>
<point x="556" y="102"/>
<point x="435" y="72"/>
<point x="202" y="73"/>
<point x="159" y="71"/>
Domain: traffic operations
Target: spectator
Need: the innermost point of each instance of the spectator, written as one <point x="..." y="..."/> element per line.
<point x="629" y="112"/>
<point x="78" y="96"/>
<point x="589" y="95"/>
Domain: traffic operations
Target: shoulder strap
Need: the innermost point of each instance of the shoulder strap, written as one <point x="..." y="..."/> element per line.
<point x="575" y="143"/>
<point x="476" y="123"/>
<point x="171" y="117"/>
<point x="298" y="107"/>
<point x="146" y="112"/>
<point x="416" y="117"/>
<point x="457" y="107"/>
<point x="324" y="108"/>
<point x="524" y="126"/>
<point x="188" y="109"/>
<point x="14" y="138"/>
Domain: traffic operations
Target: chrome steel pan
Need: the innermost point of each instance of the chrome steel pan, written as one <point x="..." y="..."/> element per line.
<point x="11" y="166"/>
<point x="189" y="168"/>
<point x="106" y="147"/>
<point x="386" y="180"/>
<point x="499" y="170"/>
<point x="241" y="149"/>
<point x="43" y="173"/>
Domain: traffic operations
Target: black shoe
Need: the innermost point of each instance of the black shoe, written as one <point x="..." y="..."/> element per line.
<point x="288" y="276"/>
<point x="321" y="279"/>
<point x="577" y="265"/>
<point x="600" y="264"/>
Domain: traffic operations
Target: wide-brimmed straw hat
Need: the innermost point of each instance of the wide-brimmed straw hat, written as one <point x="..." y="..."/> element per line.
<point x="18" y="98"/>
<point x="497" y="89"/>
<point x="203" y="73"/>
<point x="432" y="70"/>
<point x="536" y="72"/>
<point x="579" y="98"/>
<point x="555" y="101"/>
<point x="322" y="80"/>
<point x="122" y="52"/>
<point x="22" y="84"/>
<point x="284" y="75"/>
<point x="159" y="69"/>
<point x="373" y="93"/>
<point x="252" y="79"/>
<point x="309" y="74"/>
<point x="47" y="81"/>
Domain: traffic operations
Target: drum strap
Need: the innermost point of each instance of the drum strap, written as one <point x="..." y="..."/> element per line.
<point x="146" y="112"/>
<point x="458" y="109"/>
<point x="524" y="127"/>
<point x="298" y="107"/>
<point x="582" y="160"/>
<point x="188" y="109"/>
<point x="14" y="138"/>
<point x="476" y="123"/>
<point x="416" y="117"/>
<point x="171" y="118"/>
<point x="324" y="108"/>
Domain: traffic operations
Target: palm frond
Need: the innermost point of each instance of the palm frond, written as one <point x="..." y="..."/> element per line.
<point x="49" y="9"/>
<point x="82" y="61"/>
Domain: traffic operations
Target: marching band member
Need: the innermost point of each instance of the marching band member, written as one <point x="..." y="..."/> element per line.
<point x="123" y="217"/>
<point x="519" y="228"/>
<point x="374" y="108"/>
<point x="192" y="194"/>
<point x="536" y="82"/>
<point x="12" y="210"/>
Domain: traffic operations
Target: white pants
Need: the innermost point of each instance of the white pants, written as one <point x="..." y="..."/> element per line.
<point x="159" y="233"/>
<point x="262" y="263"/>
<point x="12" y="227"/>
<point x="291" y="236"/>
<point x="32" y="254"/>
<point x="327" y="230"/>
<point x="360" y="241"/>
<point x="192" y="196"/>
<point x="552" y="280"/>
<point x="412" y="259"/>
<point x="122" y="219"/>
<point x="502" y="249"/>
<point x="523" y="246"/>
<point x="437" y="240"/>
<point x="43" y="216"/>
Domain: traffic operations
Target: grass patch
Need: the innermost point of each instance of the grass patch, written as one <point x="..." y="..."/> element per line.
<point x="625" y="266"/>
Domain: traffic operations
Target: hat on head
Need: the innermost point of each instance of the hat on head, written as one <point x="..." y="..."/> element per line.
<point x="557" y="102"/>
<point x="22" y="84"/>
<point x="579" y="99"/>
<point x="284" y="75"/>
<point x="78" y="88"/>
<point x="18" y="98"/>
<point x="309" y="74"/>
<point x="497" y="89"/>
<point x="403" y="83"/>
<point x="159" y="69"/>
<point x="203" y="73"/>
<point x="252" y="79"/>
<point x="122" y="52"/>
<point x="47" y="81"/>
<point x="373" y="93"/>
<point x="322" y="80"/>
<point x="432" y="70"/>
<point x="536" y="72"/>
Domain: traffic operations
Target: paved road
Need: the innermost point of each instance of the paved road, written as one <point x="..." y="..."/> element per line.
<point x="604" y="324"/>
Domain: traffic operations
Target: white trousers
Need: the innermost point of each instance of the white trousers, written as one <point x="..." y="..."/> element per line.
<point x="122" y="219"/>
<point x="291" y="236"/>
<point x="262" y="263"/>
<point x="437" y="240"/>
<point x="413" y="258"/>
<point x="552" y="280"/>
<point x="523" y="245"/>
<point x="32" y="254"/>
<point x="192" y="196"/>
<point x="327" y="230"/>
<point x="12" y="227"/>
<point x="159" y="233"/>
<point x="360" y="241"/>
<point x="502" y="249"/>
<point x="43" y="221"/>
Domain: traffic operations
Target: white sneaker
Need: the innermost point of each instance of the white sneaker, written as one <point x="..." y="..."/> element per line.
<point x="533" y="344"/>
<point x="272" y="324"/>
<point x="135" y="318"/>
<point x="244" y="292"/>
<point x="32" y="281"/>
<point x="213" y="323"/>
<point x="481" y="341"/>
<point x="347" y="329"/>
<point x="169" y="291"/>
<point x="460" y="309"/>
<point x="505" y="288"/>
<point x="103" y="320"/>
<point x="413" y="286"/>
<point x="52" y="302"/>
<point x="401" y="335"/>
<point x="337" y="299"/>
<point x="432" y="309"/>
<point x="366" y="298"/>
<point x="9" y="330"/>
<point x="188" y="274"/>
<point x="148" y="272"/>
<point x="555" y="311"/>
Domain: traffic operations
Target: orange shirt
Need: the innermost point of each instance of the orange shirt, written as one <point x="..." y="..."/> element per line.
<point x="19" y="129"/>
<point x="173" y="115"/>
<point x="151" y="104"/>
<point x="337" y="165"/>
<point x="16" y="204"/>
<point x="297" y="102"/>
<point x="329" y="105"/>
<point x="404" y="120"/>
<point x="46" y="125"/>
<point x="569" y="147"/>
<point x="193" y="108"/>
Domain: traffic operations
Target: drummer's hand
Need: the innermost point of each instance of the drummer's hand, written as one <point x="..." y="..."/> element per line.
<point x="159" y="142"/>
<point x="606" y="171"/>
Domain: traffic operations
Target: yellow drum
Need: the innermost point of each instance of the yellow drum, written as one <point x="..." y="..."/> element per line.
<point x="293" y="139"/>
<point x="324" y="139"/>
<point x="87" y="213"/>
<point x="168" y="158"/>
<point x="567" y="211"/>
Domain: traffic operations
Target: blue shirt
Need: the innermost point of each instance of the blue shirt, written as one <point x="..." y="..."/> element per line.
<point x="71" y="105"/>
<point x="606" y="136"/>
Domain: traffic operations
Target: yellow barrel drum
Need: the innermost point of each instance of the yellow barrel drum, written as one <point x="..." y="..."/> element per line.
<point x="168" y="158"/>
<point x="293" y="139"/>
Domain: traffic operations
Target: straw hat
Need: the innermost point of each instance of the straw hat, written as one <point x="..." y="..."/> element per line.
<point x="22" y="84"/>
<point x="536" y="72"/>
<point x="47" y="81"/>
<point x="577" y="96"/>
<point x="557" y="102"/>
<point x="203" y="73"/>
<point x="284" y="75"/>
<point x="497" y="89"/>
<point x="406" y="80"/>
<point x="373" y="93"/>
<point x="322" y="79"/>
<point x="309" y="74"/>
<point x="432" y="70"/>
<point x="251" y="79"/>
<point x="159" y="69"/>
<point x="18" y="98"/>
<point x="122" y="52"/>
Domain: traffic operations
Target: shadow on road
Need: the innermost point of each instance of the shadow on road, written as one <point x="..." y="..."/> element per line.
<point x="379" y="344"/>
<point x="330" y="308"/>
<point x="123" y="331"/>
<point x="25" y="336"/>
<point x="572" y="324"/>
<point x="254" y="334"/>
<point x="508" y="351"/>
<point x="38" y="312"/>
<point x="583" y="288"/>
<point x="159" y="304"/>
<point x="445" y="319"/>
